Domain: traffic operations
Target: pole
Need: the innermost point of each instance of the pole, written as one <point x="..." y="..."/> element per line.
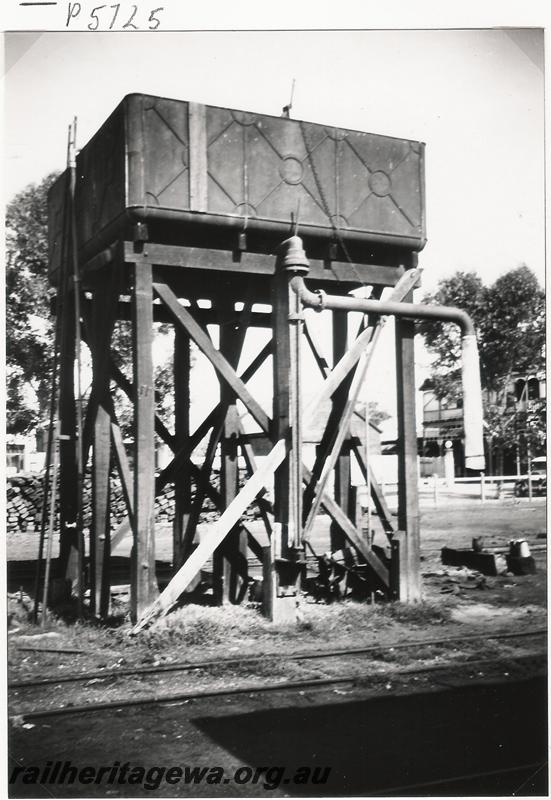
<point x="435" y="488"/>
<point x="529" y="456"/>
<point x="49" y="449"/>
<point x="50" y="530"/>
<point x="78" y="339"/>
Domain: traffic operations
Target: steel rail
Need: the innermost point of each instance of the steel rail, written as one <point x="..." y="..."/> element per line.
<point x="190" y="665"/>
<point x="263" y="687"/>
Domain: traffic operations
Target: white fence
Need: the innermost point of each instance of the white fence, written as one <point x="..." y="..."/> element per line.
<point x="481" y="488"/>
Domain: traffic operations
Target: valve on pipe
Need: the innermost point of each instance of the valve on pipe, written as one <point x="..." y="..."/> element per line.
<point x="294" y="258"/>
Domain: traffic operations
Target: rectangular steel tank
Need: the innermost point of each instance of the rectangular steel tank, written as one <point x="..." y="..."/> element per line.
<point x="199" y="175"/>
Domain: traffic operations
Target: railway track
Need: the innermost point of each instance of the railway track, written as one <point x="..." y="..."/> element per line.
<point x="123" y="672"/>
<point x="373" y="672"/>
<point x="498" y="696"/>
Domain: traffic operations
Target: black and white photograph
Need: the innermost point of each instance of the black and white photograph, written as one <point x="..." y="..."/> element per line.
<point x="275" y="415"/>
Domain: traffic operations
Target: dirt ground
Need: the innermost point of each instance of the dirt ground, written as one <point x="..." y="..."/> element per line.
<point x="399" y="740"/>
<point x="388" y="724"/>
<point x="455" y="601"/>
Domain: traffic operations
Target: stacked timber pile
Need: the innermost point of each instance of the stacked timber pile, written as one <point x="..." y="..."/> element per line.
<point x="25" y="498"/>
<point x="24" y="501"/>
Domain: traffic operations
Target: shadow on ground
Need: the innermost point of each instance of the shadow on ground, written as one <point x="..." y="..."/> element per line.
<point x="397" y="743"/>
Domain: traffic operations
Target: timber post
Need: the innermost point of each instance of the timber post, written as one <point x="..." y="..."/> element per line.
<point x="230" y="560"/>
<point x="69" y="559"/>
<point x="182" y="481"/>
<point x="144" y="583"/>
<point x="408" y="587"/>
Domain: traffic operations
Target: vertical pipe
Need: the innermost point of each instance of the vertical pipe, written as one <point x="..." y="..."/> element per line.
<point x="281" y="409"/>
<point x="287" y="550"/>
<point x="295" y="335"/>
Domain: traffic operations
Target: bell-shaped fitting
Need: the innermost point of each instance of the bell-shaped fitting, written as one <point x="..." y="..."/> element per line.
<point x="292" y="256"/>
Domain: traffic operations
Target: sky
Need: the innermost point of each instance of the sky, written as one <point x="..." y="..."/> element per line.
<point x="475" y="97"/>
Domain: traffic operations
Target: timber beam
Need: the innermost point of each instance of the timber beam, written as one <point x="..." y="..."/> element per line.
<point x="204" y="316"/>
<point x="261" y="264"/>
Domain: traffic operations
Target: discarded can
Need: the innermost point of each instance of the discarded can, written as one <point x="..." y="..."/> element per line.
<point x="519" y="548"/>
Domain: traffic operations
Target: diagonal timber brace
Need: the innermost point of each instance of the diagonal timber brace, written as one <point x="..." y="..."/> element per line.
<point x="182" y="455"/>
<point x="182" y="317"/>
<point x="378" y="498"/>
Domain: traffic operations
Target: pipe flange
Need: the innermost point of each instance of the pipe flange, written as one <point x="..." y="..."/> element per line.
<point x="321" y="299"/>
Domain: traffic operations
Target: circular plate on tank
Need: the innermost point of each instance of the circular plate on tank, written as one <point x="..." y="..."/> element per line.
<point x="338" y="221"/>
<point x="245" y="210"/>
<point x="244" y="117"/>
<point x="338" y="134"/>
<point x="291" y="170"/>
<point x="380" y="183"/>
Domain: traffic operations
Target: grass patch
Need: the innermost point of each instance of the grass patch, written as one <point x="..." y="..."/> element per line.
<point x="419" y="614"/>
<point x="198" y="632"/>
<point x="203" y="626"/>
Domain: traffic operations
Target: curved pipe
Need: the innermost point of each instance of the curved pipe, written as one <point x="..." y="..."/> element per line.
<point x="294" y="260"/>
<point x="320" y="301"/>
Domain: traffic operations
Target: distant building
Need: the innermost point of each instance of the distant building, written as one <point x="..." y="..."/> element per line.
<point x="442" y="431"/>
<point x="443" y="424"/>
<point x="25" y="453"/>
<point x="315" y="427"/>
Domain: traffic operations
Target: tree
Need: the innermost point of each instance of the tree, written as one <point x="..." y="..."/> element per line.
<point x="29" y="330"/>
<point x="377" y="415"/>
<point x="509" y="317"/>
<point x="30" y="327"/>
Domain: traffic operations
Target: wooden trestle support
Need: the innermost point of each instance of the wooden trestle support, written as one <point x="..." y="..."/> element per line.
<point x="145" y="282"/>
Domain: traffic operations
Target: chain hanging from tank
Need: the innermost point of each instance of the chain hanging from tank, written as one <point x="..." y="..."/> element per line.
<point x="326" y="209"/>
<point x="242" y="240"/>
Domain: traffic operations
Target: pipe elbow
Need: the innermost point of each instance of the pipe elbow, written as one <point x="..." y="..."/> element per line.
<point x="465" y="322"/>
<point x="314" y="300"/>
